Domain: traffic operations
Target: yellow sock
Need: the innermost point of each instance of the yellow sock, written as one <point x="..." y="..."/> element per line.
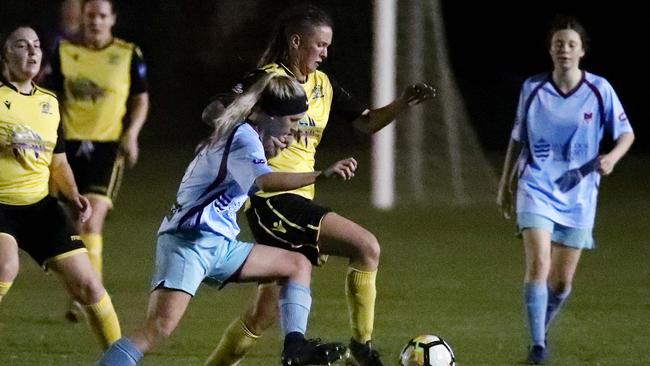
<point x="233" y="346"/>
<point x="95" y="244"/>
<point x="361" y="292"/>
<point x="4" y="288"/>
<point x="103" y="321"/>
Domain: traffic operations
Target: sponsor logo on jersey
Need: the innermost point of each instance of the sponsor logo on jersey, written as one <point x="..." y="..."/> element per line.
<point x="542" y="150"/>
<point x="84" y="89"/>
<point x="259" y="161"/>
<point x="8" y="104"/>
<point x="622" y="117"/>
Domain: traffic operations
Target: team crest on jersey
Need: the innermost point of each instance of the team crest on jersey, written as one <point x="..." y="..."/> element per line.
<point x="113" y="59"/>
<point x="588" y="116"/>
<point x="317" y="92"/>
<point x="45" y="107"/>
<point x="622" y="117"/>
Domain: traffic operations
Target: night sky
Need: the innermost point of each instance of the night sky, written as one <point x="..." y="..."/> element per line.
<point x="197" y="48"/>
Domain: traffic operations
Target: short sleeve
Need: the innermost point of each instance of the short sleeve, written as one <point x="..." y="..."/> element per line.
<point x="54" y="81"/>
<point x="247" y="160"/>
<point x="138" y="73"/>
<point x="60" y="145"/>
<point x="344" y="105"/>
<point x="519" y="128"/>
<point x="616" y="122"/>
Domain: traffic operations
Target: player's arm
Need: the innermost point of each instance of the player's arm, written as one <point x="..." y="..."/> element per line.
<point x="609" y="160"/>
<point x="279" y="181"/>
<point x="138" y="108"/>
<point x="373" y="120"/>
<point x="508" y="181"/>
<point x="63" y="178"/>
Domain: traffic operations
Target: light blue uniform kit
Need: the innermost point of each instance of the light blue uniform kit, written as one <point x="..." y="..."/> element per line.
<point x="558" y="183"/>
<point x="197" y="240"/>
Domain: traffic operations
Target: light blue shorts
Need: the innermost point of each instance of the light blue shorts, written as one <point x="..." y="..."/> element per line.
<point x="568" y="236"/>
<point x="185" y="259"/>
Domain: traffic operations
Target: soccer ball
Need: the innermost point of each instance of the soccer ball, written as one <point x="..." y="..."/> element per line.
<point x="427" y="350"/>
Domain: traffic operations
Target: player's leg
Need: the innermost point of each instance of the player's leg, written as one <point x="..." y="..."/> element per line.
<point x="166" y="308"/>
<point x="293" y="271"/>
<point x="238" y="338"/>
<point x="9" y="262"/>
<point x="91" y="231"/>
<point x="564" y="264"/>
<point x="537" y="244"/>
<point x="84" y="286"/>
<point x="342" y="237"/>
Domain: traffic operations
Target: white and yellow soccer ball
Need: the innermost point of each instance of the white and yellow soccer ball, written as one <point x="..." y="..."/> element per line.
<point x="427" y="350"/>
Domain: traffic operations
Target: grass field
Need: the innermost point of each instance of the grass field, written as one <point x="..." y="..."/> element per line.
<point x="451" y="271"/>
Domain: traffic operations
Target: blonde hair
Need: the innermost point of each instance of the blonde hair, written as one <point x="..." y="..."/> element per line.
<point x="281" y="87"/>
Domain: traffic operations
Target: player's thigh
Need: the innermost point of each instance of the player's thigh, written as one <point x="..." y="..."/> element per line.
<point x="78" y="276"/>
<point x="564" y="262"/>
<point x="265" y="262"/>
<point x="343" y="237"/>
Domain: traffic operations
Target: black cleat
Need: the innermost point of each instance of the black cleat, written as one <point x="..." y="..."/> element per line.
<point x="75" y="313"/>
<point x="537" y="355"/>
<point x="299" y="351"/>
<point x="363" y="354"/>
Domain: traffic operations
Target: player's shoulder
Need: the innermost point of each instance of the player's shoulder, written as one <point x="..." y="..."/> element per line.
<point x="39" y="90"/>
<point x="596" y="80"/>
<point x="537" y="79"/>
<point x="124" y="44"/>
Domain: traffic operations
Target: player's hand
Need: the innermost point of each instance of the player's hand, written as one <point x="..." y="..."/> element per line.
<point x="506" y="198"/>
<point x="606" y="164"/>
<point x="343" y="169"/>
<point x="273" y="145"/>
<point x="129" y="148"/>
<point x="418" y="93"/>
<point x="82" y="205"/>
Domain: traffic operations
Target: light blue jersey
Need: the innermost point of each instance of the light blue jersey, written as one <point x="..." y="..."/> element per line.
<point x="562" y="132"/>
<point x="216" y="185"/>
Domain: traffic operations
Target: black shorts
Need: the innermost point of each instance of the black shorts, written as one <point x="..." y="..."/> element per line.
<point x="97" y="167"/>
<point x="41" y="229"/>
<point x="287" y="221"/>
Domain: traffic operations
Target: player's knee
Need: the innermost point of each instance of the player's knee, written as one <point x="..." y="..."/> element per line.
<point x="9" y="269"/>
<point x="299" y="265"/>
<point x="537" y="270"/>
<point x="88" y="289"/>
<point x="561" y="286"/>
<point x="369" y="250"/>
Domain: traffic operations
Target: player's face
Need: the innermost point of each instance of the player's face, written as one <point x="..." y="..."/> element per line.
<point x="278" y="133"/>
<point x="22" y="54"/>
<point x="566" y="49"/>
<point x="98" y="20"/>
<point x="312" y="50"/>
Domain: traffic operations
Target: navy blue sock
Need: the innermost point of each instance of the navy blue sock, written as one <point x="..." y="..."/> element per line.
<point x="555" y="302"/>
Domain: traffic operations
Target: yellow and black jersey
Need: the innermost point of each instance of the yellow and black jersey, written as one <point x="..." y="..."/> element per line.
<point x="94" y="85"/>
<point x="324" y="96"/>
<point x="29" y="135"/>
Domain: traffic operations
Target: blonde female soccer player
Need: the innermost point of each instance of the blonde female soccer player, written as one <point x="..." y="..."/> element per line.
<point x="197" y="240"/>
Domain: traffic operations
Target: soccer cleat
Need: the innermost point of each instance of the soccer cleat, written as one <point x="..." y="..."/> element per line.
<point x="75" y="314"/>
<point x="299" y="351"/>
<point x="363" y="354"/>
<point x="537" y="355"/>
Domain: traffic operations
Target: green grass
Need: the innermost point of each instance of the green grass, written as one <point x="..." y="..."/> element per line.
<point x="451" y="271"/>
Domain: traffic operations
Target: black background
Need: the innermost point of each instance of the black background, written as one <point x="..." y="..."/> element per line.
<point x="196" y="48"/>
